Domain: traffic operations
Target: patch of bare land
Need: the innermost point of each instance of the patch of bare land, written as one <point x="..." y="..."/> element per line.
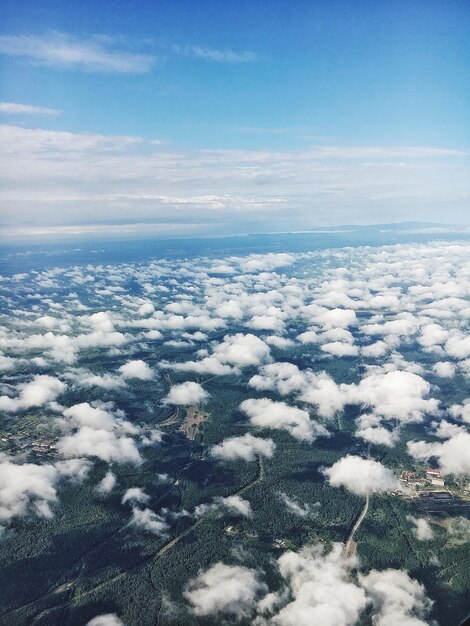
<point x="192" y="421"/>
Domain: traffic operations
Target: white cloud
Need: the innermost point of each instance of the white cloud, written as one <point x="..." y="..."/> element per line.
<point x="41" y="390"/>
<point x="26" y="488"/>
<point x="74" y="469"/>
<point x="242" y="350"/>
<point x="136" y="369"/>
<point x="395" y="395"/>
<point x="31" y="489"/>
<point x="139" y="182"/>
<point x="458" y="346"/>
<point x="405" y="326"/>
<point x="106" y="619"/>
<point x="375" y="350"/>
<point x="207" y="365"/>
<point x="102" y="444"/>
<point x="308" y="337"/>
<point x="378" y="435"/>
<point x="420" y="528"/>
<point x="186" y="393"/>
<point x="452" y="455"/>
<point x="361" y="476"/>
<point x="235" y="505"/>
<point x="224" y="589"/>
<point x="337" y="348"/>
<point x="216" y="56"/>
<point x="135" y="495"/>
<point x="336" y="318"/>
<point x="146" y="519"/>
<point x="146" y="308"/>
<point x="265" y="413"/>
<point x="98" y="54"/>
<point x="279" y="342"/>
<point x="107" y="484"/>
<point x="321" y="589"/>
<point x="444" y="369"/>
<point x="6" y="363"/>
<point x="397" y="598"/>
<point x="245" y="448"/>
<point x="265" y="322"/>
<point x="461" y="411"/>
<point x="324" y="393"/>
<point x="84" y="414"/>
<point x="15" y="108"/>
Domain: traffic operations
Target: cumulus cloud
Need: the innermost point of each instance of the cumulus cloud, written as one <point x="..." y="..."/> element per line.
<point x="263" y="262"/>
<point x="338" y="348"/>
<point x="41" y="390"/>
<point x="318" y="587"/>
<point x="325" y="394"/>
<point x="74" y="469"/>
<point x="242" y="350"/>
<point x="397" y="598"/>
<point x="369" y="429"/>
<point x="136" y="369"/>
<point x="107" y="484"/>
<point x="146" y="308"/>
<point x="207" y="365"/>
<point x="361" y="476"/>
<point x="237" y="505"/>
<point x="234" y="505"/>
<point x="265" y="413"/>
<point x="452" y="455"/>
<point x="461" y="411"/>
<point x="146" y="519"/>
<point x="308" y="337"/>
<point x="186" y="393"/>
<point x="26" y="489"/>
<point x="106" y="619"/>
<point x="406" y="326"/>
<point x="102" y="444"/>
<point x="420" y="528"/>
<point x="336" y="318"/>
<point x="375" y="350"/>
<point x="321" y="589"/>
<point x="396" y="394"/>
<point x="444" y="369"/>
<point x="84" y="414"/>
<point x="245" y="448"/>
<point x="285" y="378"/>
<point x="458" y="346"/>
<point x="224" y="590"/>
<point x="135" y="495"/>
<point x="32" y="489"/>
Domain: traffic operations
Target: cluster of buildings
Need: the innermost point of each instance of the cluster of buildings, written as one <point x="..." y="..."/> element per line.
<point x="22" y="442"/>
<point x="422" y="479"/>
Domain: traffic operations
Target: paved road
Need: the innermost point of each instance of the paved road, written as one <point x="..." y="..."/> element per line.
<point x="350" y="547"/>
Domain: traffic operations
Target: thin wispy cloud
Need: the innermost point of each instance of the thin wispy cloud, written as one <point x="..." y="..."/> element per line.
<point x="216" y="56"/>
<point x="92" y="54"/>
<point x="14" y="108"/>
<point x="131" y="176"/>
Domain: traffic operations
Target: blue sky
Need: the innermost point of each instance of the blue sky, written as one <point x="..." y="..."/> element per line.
<point x="260" y="84"/>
